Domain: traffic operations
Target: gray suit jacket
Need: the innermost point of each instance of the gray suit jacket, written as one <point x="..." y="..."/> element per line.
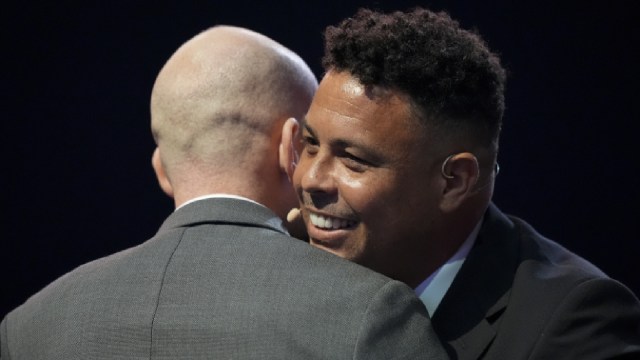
<point x="522" y="296"/>
<point x="221" y="280"/>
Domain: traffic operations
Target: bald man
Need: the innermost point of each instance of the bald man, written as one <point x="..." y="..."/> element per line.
<point x="222" y="278"/>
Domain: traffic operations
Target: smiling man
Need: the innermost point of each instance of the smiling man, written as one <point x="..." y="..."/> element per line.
<point x="363" y="183"/>
<point x="397" y="173"/>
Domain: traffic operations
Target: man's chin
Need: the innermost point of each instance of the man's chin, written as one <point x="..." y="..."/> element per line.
<point x="327" y="246"/>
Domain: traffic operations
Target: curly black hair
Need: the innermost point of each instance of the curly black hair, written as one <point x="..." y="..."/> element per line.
<point x="448" y="72"/>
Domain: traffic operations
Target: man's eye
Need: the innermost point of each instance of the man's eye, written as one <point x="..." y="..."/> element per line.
<point x="355" y="163"/>
<point x="310" y="144"/>
<point x="308" y="140"/>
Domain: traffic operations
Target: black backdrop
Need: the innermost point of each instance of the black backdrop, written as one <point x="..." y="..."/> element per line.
<point x="76" y="177"/>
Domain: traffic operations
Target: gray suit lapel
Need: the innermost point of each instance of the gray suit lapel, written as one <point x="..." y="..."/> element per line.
<point x="467" y="319"/>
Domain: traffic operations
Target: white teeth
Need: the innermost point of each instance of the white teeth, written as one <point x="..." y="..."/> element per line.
<point x="325" y="222"/>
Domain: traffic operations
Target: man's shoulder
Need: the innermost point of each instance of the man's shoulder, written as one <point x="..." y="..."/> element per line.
<point x="317" y="262"/>
<point x="533" y="255"/>
<point x="527" y="278"/>
<point x="546" y="260"/>
<point x="531" y="271"/>
<point x="564" y="296"/>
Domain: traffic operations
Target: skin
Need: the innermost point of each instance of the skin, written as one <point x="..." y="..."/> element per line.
<point x="372" y="169"/>
<point x="218" y="107"/>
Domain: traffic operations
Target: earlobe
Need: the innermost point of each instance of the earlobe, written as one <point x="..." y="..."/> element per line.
<point x="288" y="156"/>
<point x="161" y="176"/>
<point x="461" y="172"/>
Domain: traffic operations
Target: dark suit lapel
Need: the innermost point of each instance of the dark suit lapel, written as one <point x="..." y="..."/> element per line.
<point x="223" y="211"/>
<point x="469" y="314"/>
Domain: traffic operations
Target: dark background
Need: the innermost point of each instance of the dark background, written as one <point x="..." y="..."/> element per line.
<point x="76" y="177"/>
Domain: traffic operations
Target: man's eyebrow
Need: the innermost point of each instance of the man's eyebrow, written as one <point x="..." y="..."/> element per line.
<point x="373" y="154"/>
<point x="306" y="126"/>
<point x="336" y="142"/>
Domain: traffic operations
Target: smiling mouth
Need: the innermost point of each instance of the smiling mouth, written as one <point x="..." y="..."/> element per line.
<point x="330" y="223"/>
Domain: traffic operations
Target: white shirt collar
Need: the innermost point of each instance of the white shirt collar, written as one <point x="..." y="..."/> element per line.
<point x="211" y="196"/>
<point x="432" y="289"/>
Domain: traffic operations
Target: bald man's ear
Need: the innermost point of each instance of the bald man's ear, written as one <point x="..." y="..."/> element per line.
<point x="164" y="182"/>
<point x="461" y="173"/>
<point x="288" y="154"/>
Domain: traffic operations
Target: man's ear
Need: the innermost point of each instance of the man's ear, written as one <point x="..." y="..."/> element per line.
<point x="164" y="182"/>
<point x="287" y="152"/>
<point x="461" y="173"/>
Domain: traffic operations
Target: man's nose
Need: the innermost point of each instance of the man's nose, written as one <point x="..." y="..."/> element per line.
<point x="318" y="174"/>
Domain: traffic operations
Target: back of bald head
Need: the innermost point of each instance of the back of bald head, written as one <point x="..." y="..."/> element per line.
<point x="222" y="94"/>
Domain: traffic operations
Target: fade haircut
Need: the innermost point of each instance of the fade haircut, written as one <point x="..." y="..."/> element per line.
<point x="452" y="78"/>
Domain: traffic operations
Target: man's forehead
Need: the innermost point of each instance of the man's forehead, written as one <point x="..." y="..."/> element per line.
<point x="343" y="94"/>
<point x="347" y="85"/>
<point x="343" y="111"/>
<point x="352" y="87"/>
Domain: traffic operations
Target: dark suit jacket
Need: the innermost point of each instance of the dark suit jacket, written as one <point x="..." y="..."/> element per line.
<point x="221" y="280"/>
<point x="521" y="296"/>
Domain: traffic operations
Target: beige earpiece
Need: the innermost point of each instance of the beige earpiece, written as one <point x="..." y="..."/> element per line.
<point x="293" y="214"/>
